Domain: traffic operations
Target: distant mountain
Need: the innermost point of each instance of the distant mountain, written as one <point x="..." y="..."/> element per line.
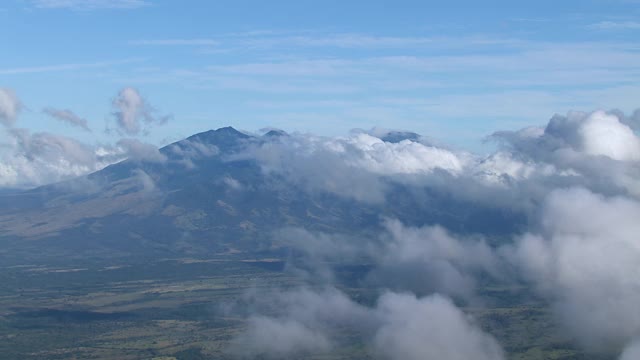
<point x="195" y="198"/>
<point x="398" y="136"/>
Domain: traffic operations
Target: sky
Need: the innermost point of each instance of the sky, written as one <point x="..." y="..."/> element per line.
<point x="452" y="70"/>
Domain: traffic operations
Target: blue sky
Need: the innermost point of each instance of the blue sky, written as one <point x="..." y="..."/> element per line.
<point x="452" y="70"/>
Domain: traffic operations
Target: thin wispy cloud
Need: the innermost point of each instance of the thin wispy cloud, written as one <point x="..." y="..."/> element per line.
<point x="65" y="67"/>
<point x="367" y="41"/>
<point x="176" y="42"/>
<point x="89" y="4"/>
<point x="616" y="25"/>
<point x="67" y="116"/>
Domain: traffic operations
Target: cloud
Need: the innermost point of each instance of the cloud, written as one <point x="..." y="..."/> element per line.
<point x="355" y="166"/>
<point x="401" y="326"/>
<point x="32" y="159"/>
<point x="139" y="151"/>
<point x="189" y="150"/>
<point x="430" y="328"/>
<point x="85" y="5"/>
<point x="575" y="180"/>
<point x="64" y="67"/>
<point x="144" y="180"/>
<point x="577" y="134"/>
<point x="9" y="107"/>
<point x="632" y="120"/>
<point x="303" y="324"/>
<point x="631" y="352"/>
<point x="596" y="150"/>
<point x="133" y="114"/>
<point x="583" y="259"/>
<point x="429" y="260"/>
<point x="423" y="260"/>
<point x="597" y="133"/>
<point x="616" y="25"/>
<point x="176" y="42"/>
<point x="68" y="117"/>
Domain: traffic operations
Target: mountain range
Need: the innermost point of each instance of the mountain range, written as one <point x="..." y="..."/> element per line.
<point x="204" y="195"/>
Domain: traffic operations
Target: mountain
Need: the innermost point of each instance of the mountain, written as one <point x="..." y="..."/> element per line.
<point x="200" y="196"/>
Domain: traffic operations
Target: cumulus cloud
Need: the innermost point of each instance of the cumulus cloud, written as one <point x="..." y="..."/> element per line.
<point x="632" y="120"/>
<point x="603" y="134"/>
<point x="354" y="166"/>
<point x="596" y="134"/>
<point x="133" y="114"/>
<point x="68" y="117"/>
<point x="422" y="260"/>
<point x="9" y="107"/>
<point x="580" y="247"/>
<point x="31" y="159"/>
<point x="303" y="322"/>
<point x="596" y="150"/>
<point x="583" y="260"/>
<point x="401" y="326"/>
<point x="429" y="259"/>
<point x="189" y="150"/>
<point x="281" y="338"/>
<point x="140" y="151"/>
<point x="430" y="328"/>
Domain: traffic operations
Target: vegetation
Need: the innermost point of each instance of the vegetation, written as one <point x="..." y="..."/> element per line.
<point x="176" y="309"/>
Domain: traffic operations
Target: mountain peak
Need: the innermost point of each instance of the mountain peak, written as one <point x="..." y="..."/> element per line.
<point x="275" y="133"/>
<point x="229" y="130"/>
<point x="398" y="136"/>
<point x="226" y="133"/>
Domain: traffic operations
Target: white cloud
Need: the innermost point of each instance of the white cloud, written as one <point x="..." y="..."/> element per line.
<point x="595" y="150"/>
<point x="42" y="158"/>
<point x="280" y="338"/>
<point x="64" y="67"/>
<point x="616" y="25"/>
<point x="133" y="114"/>
<point x="89" y="4"/>
<point x="353" y="166"/>
<point x="603" y="134"/>
<point x="584" y="260"/>
<point x="430" y="328"/>
<point x="176" y="42"/>
<point x="9" y="106"/>
<point x="401" y="326"/>
<point x="139" y="151"/>
<point x="429" y="259"/>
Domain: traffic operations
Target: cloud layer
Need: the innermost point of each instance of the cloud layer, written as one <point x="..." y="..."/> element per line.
<point x="400" y="326"/>
<point x="583" y="261"/>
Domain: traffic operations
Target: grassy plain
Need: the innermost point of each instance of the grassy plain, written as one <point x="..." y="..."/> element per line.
<point x="174" y="309"/>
